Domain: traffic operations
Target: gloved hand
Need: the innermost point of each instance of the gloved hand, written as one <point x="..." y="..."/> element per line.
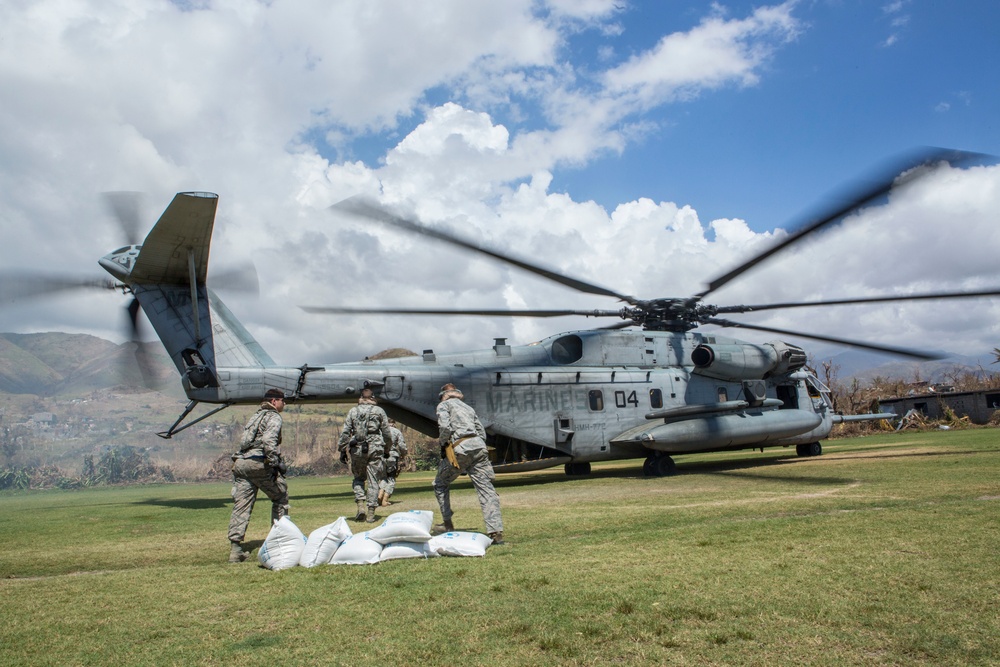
<point x="391" y="467"/>
<point x="281" y="467"/>
<point x="343" y="457"/>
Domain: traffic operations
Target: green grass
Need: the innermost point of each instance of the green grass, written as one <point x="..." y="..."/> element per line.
<point x="881" y="552"/>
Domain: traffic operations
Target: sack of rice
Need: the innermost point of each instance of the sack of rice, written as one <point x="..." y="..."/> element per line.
<point x="461" y="543"/>
<point x="283" y="546"/>
<point x="411" y="526"/>
<point x="358" y="549"/>
<point x="323" y="543"/>
<point x="395" y="550"/>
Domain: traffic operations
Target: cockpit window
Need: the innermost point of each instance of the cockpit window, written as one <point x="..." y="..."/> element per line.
<point x="567" y="349"/>
<point x="121" y="250"/>
<point x="816" y="388"/>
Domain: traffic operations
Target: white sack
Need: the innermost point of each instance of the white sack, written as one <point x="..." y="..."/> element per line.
<point x="461" y="544"/>
<point x="358" y="549"/>
<point x="283" y="546"/>
<point x="395" y="550"/>
<point x="323" y="543"/>
<point x="411" y="526"/>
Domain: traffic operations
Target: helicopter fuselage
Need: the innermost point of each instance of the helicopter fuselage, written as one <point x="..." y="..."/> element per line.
<point x="580" y="396"/>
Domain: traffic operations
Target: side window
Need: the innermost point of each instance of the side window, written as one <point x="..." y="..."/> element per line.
<point x="723" y="395"/>
<point x="596" y="397"/>
<point x="655" y="398"/>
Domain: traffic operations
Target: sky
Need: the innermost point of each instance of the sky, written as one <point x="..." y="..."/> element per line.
<point x="644" y="146"/>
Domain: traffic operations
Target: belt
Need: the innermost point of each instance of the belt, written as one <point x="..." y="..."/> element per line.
<point x="463" y="439"/>
<point x="253" y="458"/>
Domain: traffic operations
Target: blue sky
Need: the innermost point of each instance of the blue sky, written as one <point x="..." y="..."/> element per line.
<point x="833" y="103"/>
<point x="646" y="146"/>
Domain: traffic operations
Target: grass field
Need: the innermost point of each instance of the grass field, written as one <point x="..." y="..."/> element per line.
<point x="883" y="551"/>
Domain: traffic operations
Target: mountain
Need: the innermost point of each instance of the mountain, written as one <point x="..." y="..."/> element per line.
<point x="50" y="364"/>
<point x="865" y="366"/>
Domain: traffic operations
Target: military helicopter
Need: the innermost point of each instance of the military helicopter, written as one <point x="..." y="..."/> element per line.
<point x="649" y="386"/>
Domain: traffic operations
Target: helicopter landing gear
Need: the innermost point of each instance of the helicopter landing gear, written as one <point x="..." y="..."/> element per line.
<point x="577" y="469"/>
<point x="658" y="465"/>
<point x="809" y="449"/>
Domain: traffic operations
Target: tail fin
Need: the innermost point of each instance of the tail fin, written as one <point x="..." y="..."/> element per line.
<point x="168" y="278"/>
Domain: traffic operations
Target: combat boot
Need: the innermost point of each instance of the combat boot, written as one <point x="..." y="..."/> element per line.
<point x="385" y="500"/>
<point x="381" y="497"/>
<point x="362" y="511"/>
<point x="236" y="553"/>
<point x="370" y="515"/>
<point x="497" y="538"/>
<point x="445" y="526"/>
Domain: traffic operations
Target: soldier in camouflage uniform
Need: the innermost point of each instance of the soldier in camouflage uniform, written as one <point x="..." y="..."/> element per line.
<point x="391" y="465"/>
<point x="367" y="437"/>
<point x="258" y="466"/>
<point x="463" y="451"/>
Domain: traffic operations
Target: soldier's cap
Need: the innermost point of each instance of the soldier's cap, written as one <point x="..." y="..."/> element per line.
<point x="273" y="393"/>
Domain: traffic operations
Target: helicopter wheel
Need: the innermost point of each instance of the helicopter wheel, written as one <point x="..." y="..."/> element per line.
<point x="648" y="466"/>
<point x="809" y="449"/>
<point x="576" y="469"/>
<point x="658" y="466"/>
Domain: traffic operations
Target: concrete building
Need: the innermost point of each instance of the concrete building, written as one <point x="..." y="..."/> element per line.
<point x="978" y="406"/>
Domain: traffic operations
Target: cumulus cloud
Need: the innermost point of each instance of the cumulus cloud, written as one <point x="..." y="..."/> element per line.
<point x="260" y="102"/>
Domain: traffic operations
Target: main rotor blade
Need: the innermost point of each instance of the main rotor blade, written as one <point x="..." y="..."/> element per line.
<point x="366" y="208"/>
<point x="439" y="311"/>
<point x="883" y="182"/>
<point x="901" y="351"/>
<point x="873" y="299"/>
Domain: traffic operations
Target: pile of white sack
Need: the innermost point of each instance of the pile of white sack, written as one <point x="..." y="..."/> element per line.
<point x="401" y="535"/>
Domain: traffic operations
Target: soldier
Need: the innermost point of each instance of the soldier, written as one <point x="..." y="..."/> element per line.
<point x="463" y="451"/>
<point x="392" y="464"/>
<point x="366" y="435"/>
<point x="258" y="465"/>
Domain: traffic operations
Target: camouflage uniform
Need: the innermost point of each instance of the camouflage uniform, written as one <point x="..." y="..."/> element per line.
<point x="460" y="427"/>
<point x="256" y="466"/>
<point x="397" y="451"/>
<point x="366" y="433"/>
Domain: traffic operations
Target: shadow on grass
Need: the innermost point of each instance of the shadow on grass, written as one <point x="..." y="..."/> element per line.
<point x="188" y="503"/>
<point x="227" y="501"/>
<point x="729" y="467"/>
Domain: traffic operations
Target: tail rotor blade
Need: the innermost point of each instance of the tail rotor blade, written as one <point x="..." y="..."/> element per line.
<point x="126" y="207"/>
<point x="16" y="285"/>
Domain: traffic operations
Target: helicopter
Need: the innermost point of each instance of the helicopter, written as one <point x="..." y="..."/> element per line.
<point x="650" y="386"/>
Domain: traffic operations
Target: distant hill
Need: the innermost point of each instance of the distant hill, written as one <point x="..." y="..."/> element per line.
<point x="865" y="366"/>
<point x="51" y="364"/>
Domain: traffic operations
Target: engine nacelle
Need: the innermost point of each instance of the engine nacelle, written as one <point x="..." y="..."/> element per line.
<point x="746" y="361"/>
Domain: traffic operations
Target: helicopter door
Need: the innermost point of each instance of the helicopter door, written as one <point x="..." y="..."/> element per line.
<point x="788" y="395"/>
<point x="393" y="389"/>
